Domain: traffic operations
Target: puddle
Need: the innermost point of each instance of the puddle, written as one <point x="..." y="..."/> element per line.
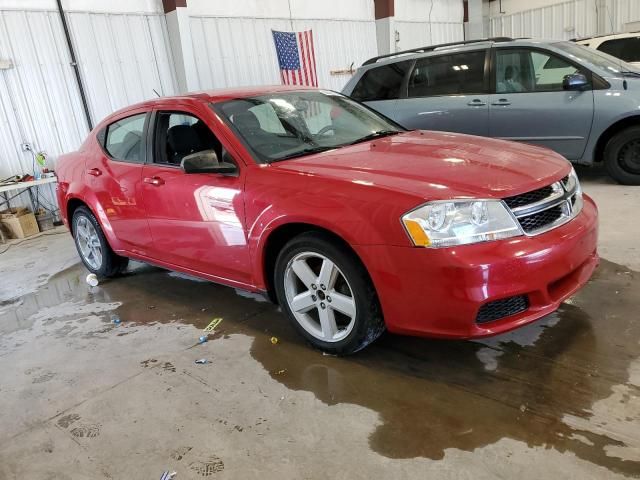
<point x="430" y="395"/>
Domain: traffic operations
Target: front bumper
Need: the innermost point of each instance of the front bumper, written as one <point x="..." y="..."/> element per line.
<point x="438" y="292"/>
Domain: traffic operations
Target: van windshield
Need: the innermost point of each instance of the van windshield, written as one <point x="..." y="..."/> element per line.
<point x="600" y="59"/>
<point x="282" y="125"/>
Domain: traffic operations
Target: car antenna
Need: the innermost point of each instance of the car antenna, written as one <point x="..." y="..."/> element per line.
<point x="156" y="92"/>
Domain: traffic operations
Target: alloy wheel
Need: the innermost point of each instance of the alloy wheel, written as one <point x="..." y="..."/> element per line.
<point x="319" y="296"/>
<point x="88" y="242"/>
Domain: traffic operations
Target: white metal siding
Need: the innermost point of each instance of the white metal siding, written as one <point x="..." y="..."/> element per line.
<point x="575" y="18"/>
<point x="420" y="34"/>
<point x="232" y="51"/>
<point x="122" y="59"/>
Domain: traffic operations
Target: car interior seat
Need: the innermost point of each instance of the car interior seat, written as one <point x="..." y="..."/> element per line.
<point x="182" y="140"/>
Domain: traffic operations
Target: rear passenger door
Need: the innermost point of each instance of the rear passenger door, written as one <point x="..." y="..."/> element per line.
<point x="447" y="92"/>
<point x="114" y="174"/>
<point x="530" y="104"/>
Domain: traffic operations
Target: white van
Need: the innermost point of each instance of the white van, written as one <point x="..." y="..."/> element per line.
<point x="625" y="46"/>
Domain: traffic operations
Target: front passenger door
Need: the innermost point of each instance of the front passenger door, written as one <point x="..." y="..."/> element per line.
<point x="530" y="105"/>
<point x="197" y="220"/>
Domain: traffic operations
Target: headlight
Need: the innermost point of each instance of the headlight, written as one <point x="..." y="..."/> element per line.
<point x="573" y="184"/>
<point x="449" y="223"/>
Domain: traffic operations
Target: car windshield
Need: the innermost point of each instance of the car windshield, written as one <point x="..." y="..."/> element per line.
<point x="283" y="125"/>
<point x="595" y="57"/>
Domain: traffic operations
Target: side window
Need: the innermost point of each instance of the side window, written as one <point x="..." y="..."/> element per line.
<point x="455" y="74"/>
<point x="627" y="49"/>
<point x="520" y="71"/>
<point x="178" y="134"/>
<point x="125" y="139"/>
<point x="381" y="83"/>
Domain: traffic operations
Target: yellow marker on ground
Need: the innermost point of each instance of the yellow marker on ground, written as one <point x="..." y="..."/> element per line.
<point x="212" y="326"/>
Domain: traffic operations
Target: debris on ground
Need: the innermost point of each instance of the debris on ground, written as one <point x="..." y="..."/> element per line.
<point x="168" y="476"/>
<point x="212" y="325"/>
<point x="202" y="361"/>
<point x="92" y="280"/>
<point x="202" y="339"/>
<point x="274" y="340"/>
<point x="115" y="319"/>
<point x="281" y="372"/>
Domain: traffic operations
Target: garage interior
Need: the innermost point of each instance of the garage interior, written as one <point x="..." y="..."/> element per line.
<point x="103" y="381"/>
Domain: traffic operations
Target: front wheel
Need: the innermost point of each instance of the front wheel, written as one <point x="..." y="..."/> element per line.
<point x="622" y="156"/>
<point x="327" y="294"/>
<point x="92" y="245"/>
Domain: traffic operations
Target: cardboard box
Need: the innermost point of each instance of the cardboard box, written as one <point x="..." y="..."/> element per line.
<point x="20" y="222"/>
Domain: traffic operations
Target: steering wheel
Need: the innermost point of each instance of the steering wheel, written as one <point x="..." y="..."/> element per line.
<point x="325" y="129"/>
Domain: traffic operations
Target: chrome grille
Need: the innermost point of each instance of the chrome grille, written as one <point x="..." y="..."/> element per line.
<point x="529" y="197"/>
<point x="541" y="210"/>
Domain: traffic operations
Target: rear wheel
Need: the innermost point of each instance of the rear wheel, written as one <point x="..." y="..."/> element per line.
<point x="92" y="245"/>
<point x="327" y="294"/>
<point x="622" y="156"/>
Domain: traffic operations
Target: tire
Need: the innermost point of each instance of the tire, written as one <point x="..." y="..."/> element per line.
<point x="336" y="312"/>
<point x="622" y="156"/>
<point x="86" y="230"/>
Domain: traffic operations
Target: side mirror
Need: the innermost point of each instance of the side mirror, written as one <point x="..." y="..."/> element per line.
<point x="575" y="81"/>
<point x="206" y="162"/>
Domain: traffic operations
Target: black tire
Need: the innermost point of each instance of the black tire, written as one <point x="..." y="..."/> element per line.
<point x="369" y="323"/>
<point x="622" y="156"/>
<point x="112" y="264"/>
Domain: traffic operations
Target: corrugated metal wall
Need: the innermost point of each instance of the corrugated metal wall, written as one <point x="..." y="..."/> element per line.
<point x="239" y="51"/>
<point x="122" y="57"/>
<point x="419" y="34"/>
<point x="428" y="22"/>
<point x="575" y="18"/>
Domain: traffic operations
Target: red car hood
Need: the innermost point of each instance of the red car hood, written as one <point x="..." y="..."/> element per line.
<point x="436" y="165"/>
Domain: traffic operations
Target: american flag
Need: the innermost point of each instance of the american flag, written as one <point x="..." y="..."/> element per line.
<point x="296" y="57"/>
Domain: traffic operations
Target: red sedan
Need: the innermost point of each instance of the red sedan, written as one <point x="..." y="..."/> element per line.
<point x="347" y="220"/>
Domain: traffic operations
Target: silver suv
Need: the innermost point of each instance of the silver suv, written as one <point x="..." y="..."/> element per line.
<point x="580" y="102"/>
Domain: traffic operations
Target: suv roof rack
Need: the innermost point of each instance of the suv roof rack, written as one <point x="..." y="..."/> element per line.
<point x="433" y="47"/>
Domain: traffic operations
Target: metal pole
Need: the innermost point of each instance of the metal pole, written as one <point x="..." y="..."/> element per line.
<point x="75" y="66"/>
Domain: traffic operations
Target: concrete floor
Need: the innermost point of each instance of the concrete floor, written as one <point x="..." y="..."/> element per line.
<point x="84" y="397"/>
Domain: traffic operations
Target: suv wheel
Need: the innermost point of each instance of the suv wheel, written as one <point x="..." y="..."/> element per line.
<point x="622" y="156"/>
<point x="327" y="294"/>
<point x="92" y="245"/>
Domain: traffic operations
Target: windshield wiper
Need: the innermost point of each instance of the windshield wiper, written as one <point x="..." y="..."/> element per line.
<point x="629" y="72"/>
<point x="371" y="136"/>
<point x="305" y="151"/>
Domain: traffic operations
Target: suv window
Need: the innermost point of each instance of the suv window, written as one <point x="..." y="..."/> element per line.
<point x="178" y="134"/>
<point x="124" y="139"/>
<point x="453" y="74"/>
<point x="381" y="83"/>
<point x="628" y="49"/>
<point x="530" y="71"/>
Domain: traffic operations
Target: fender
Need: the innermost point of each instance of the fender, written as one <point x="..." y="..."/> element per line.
<point x="88" y="197"/>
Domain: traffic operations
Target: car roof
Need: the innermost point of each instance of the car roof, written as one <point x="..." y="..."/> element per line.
<point x="211" y="96"/>
<point x="467" y="46"/>
<point x="611" y="36"/>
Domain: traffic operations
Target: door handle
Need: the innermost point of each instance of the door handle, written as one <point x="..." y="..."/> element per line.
<point x="476" y="103"/>
<point x="155" y="181"/>
<point x="94" y="172"/>
<point x="502" y="101"/>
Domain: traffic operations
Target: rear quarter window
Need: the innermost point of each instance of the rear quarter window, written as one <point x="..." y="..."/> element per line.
<point x="381" y="83"/>
<point x="124" y="139"/>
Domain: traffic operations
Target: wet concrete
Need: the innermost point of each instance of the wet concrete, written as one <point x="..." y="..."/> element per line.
<point x="559" y="397"/>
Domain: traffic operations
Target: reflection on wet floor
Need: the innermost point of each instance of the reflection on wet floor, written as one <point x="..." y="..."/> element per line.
<point x="431" y="395"/>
